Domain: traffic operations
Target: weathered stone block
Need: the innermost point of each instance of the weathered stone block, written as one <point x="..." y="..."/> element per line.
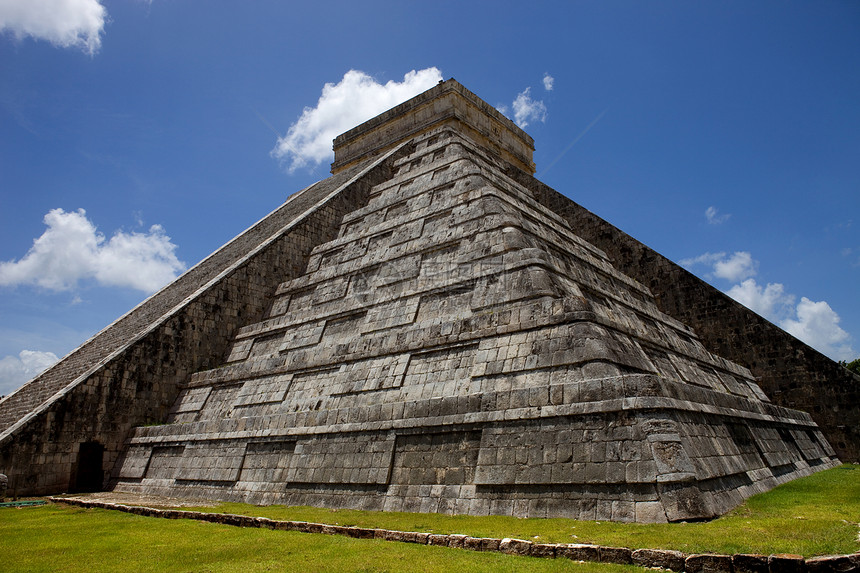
<point x="546" y="550"/>
<point x="658" y="558"/>
<point x="834" y="564"/>
<point x="620" y="555"/>
<point x="579" y="552"/>
<point x="440" y="540"/>
<point x="359" y="532"/>
<point x="706" y="563"/>
<point x="786" y="563"/>
<point x="749" y="563"/>
<point x="515" y="546"/>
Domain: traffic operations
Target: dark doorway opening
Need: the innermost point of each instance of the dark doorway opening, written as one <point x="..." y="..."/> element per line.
<point x="90" y="474"/>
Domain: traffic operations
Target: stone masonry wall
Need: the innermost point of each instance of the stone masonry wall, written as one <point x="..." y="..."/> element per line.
<point x="791" y="373"/>
<point x="459" y="349"/>
<point x="136" y="364"/>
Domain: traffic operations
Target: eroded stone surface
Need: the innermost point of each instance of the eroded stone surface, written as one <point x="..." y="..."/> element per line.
<point x="750" y="563"/>
<point x="707" y="563"/>
<point x="659" y="558"/>
<point x="834" y="564"/>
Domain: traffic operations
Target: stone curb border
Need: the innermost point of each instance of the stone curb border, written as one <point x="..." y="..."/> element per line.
<point x="650" y="558"/>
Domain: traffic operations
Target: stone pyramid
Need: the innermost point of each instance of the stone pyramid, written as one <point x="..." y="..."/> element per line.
<point x="422" y="331"/>
<point x="457" y="348"/>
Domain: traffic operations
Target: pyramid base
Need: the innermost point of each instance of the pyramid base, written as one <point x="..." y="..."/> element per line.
<point x="620" y="502"/>
<point x="645" y="459"/>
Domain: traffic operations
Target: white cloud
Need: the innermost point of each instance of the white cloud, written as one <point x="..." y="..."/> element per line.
<point x="342" y="106"/>
<point x="713" y="216"/>
<point x="815" y="323"/>
<point x="15" y="371"/>
<point x="72" y="249"/>
<point x="64" y="23"/>
<point x="736" y="267"/>
<point x="770" y="302"/>
<point x="548" y="81"/>
<point x="818" y="326"/>
<point x="526" y="109"/>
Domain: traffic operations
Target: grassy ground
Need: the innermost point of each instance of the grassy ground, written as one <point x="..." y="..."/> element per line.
<point x="817" y="515"/>
<point x="57" y="538"/>
<point x="814" y="516"/>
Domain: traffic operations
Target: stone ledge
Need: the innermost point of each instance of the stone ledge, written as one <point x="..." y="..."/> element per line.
<point x="649" y="558"/>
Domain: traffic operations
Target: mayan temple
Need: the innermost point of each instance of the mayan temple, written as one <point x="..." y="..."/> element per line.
<point x="431" y="329"/>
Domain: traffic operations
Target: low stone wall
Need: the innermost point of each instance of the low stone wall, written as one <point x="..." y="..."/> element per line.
<point x="650" y="558"/>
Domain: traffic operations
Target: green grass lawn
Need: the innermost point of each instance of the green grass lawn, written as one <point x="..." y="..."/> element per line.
<point x="57" y="538"/>
<point x="817" y="515"/>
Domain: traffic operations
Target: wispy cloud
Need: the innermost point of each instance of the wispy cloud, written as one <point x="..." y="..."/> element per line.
<point x="713" y="216"/>
<point x="355" y="99"/>
<point x="16" y="370"/>
<point x="852" y="254"/>
<point x="548" y="82"/>
<point x="573" y="142"/>
<point x="65" y="23"/>
<point x="72" y="250"/>
<point x="815" y="323"/>
<point x="527" y="109"/>
<point x="735" y="267"/>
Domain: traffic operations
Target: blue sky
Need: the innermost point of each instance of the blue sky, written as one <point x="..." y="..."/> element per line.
<point x="137" y="137"/>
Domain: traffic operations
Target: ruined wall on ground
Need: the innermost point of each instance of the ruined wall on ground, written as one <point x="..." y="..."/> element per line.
<point x="136" y="384"/>
<point x="790" y="372"/>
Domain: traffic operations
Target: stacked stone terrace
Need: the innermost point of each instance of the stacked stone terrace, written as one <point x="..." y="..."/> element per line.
<point x="457" y="348"/>
<point x="426" y="330"/>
